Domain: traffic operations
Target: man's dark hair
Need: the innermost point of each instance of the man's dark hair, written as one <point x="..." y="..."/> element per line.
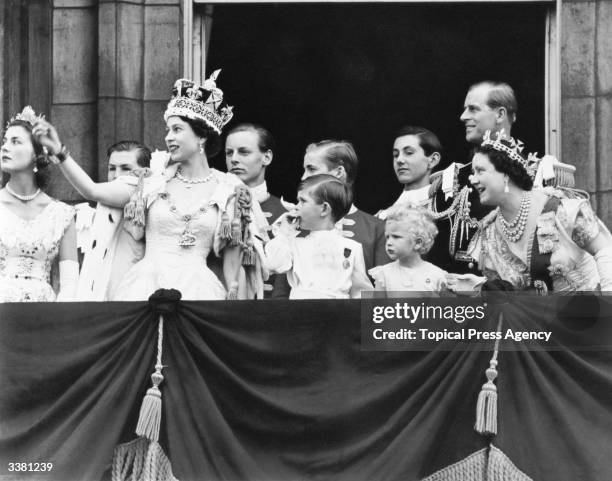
<point x="428" y="141"/>
<point x="143" y="154"/>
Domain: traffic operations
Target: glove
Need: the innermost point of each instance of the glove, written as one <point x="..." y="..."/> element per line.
<point x="603" y="259"/>
<point x="69" y="276"/>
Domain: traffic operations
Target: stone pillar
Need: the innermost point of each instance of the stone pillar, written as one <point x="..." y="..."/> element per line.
<point x="75" y="86"/>
<point x="586" y="97"/>
<point x="603" y="108"/>
<point x="139" y="60"/>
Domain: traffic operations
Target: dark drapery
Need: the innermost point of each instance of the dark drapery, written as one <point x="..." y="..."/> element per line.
<point x="280" y="390"/>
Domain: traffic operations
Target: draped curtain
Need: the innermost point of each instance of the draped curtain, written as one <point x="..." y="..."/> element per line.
<point x="281" y="390"/>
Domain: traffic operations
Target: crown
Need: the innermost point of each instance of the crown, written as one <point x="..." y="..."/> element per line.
<point x="200" y="102"/>
<point x="513" y="148"/>
<point x="26" y="115"/>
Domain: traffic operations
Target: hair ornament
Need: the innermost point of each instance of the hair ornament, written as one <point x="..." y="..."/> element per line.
<point x="513" y="148"/>
<point x="27" y="115"/>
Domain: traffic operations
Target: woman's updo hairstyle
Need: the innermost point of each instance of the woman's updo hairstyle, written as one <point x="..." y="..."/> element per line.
<point x="41" y="161"/>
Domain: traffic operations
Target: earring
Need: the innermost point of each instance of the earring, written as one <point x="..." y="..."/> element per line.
<point x="35" y="169"/>
<point x="506" y="189"/>
<point x="201" y="148"/>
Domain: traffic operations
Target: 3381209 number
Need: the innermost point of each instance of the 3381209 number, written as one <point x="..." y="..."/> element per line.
<point x="24" y="467"/>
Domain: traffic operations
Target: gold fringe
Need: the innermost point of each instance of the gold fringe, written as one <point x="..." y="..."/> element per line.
<point x="141" y="460"/>
<point x="487" y="464"/>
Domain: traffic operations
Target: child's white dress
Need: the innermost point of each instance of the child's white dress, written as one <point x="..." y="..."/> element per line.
<point x="426" y="277"/>
<point x="322" y="265"/>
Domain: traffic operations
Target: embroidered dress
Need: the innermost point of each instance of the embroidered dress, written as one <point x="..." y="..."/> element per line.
<point x="426" y="277"/>
<point x="322" y="265"/>
<point x="28" y="249"/>
<point x="556" y="257"/>
<point x="178" y="243"/>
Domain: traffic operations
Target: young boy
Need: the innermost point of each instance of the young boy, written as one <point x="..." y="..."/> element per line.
<point x="324" y="264"/>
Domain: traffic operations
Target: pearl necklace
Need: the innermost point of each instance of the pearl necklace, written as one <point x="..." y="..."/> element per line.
<point x="22" y="197"/>
<point x="191" y="182"/>
<point x="514" y="230"/>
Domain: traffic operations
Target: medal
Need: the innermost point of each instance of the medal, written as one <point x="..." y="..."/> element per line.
<point x="346" y="263"/>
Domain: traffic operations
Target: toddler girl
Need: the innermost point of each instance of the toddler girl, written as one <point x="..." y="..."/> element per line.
<point x="410" y="232"/>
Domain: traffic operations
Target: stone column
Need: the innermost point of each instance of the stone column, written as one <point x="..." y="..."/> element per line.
<point x="139" y="60"/>
<point x="75" y="86"/>
<point x="586" y="93"/>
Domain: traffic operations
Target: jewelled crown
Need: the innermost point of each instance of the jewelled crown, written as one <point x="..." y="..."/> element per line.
<point x="514" y="149"/>
<point x="202" y="102"/>
<point x="26" y="115"/>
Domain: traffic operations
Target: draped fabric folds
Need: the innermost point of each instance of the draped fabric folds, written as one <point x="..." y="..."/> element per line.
<point x="281" y="390"/>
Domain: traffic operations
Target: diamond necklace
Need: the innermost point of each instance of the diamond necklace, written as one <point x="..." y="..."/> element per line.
<point x="191" y="182"/>
<point x="515" y="229"/>
<point x="22" y="197"/>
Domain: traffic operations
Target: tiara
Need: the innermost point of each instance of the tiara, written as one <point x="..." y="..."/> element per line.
<point x="26" y="115"/>
<point x="200" y="102"/>
<point x="514" y="149"/>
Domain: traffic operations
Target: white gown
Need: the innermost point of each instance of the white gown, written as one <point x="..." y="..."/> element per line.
<point x="166" y="264"/>
<point x="28" y="249"/>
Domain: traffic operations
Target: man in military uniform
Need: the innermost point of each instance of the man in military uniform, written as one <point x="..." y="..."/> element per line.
<point x="448" y="194"/>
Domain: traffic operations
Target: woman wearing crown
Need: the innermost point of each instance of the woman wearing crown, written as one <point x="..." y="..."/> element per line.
<point x="188" y="211"/>
<point x="36" y="230"/>
<point x="535" y="238"/>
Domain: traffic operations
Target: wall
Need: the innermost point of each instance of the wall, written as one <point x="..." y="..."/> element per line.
<point x="586" y="93"/>
<point x="139" y="61"/>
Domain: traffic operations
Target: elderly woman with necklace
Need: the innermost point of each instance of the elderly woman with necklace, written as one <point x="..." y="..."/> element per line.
<point x="188" y="211"/>
<point x="535" y="238"/>
<point x="35" y="229"/>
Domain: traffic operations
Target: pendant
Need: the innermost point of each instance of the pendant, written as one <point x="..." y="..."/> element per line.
<point x="188" y="239"/>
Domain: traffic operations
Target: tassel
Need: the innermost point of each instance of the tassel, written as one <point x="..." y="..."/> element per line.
<point x="248" y="254"/>
<point x="225" y="230"/>
<point x="232" y="293"/>
<point x="486" y="408"/>
<point x="236" y="232"/>
<point x="134" y="210"/>
<point x="149" y="420"/>
<point x="141" y="460"/>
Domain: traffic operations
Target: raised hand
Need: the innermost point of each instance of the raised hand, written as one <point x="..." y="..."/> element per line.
<point x="47" y="136"/>
<point x="286" y="225"/>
